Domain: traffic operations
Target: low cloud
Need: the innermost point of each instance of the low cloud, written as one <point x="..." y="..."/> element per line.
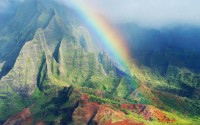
<point x="4" y="4"/>
<point x="155" y="13"/>
<point x="7" y="6"/>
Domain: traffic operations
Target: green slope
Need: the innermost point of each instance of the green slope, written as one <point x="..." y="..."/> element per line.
<point x="50" y="60"/>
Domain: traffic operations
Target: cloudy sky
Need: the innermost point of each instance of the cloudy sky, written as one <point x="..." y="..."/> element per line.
<point x="3" y="5"/>
<point x="7" y="5"/>
<point x="148" y="12"/>
<point x="154" y="13"/>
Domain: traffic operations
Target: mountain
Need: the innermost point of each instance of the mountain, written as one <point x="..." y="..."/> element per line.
<point x="52" y="71"/>
<point x="175" y="59"/>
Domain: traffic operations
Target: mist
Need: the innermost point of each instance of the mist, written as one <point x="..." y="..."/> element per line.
<point x="8" y="6"/>
<point x="150" y="13"/>
<point x="4" y="5"/>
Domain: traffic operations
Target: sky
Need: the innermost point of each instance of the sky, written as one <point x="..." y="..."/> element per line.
<point x="153" y="13"/>
<point x="6" y="6"/>
<point x="3" y="5"/>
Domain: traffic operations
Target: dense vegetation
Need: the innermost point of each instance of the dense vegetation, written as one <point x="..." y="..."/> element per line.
<point x="49" y="60"/>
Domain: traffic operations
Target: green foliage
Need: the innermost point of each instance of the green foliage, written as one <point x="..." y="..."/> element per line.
<point x="181" y="105"/>
<point x="12" y="105"/>
<point x="60" y="53"/>
<point x="103" y="100"/>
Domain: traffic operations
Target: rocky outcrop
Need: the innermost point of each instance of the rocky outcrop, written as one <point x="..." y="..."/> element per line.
<point x="40" y="50"/>
<point x="44" y="50"/>
<point x="95" y="113"/>
<point x="39" y="113"/>
<point x="148" y="112"/>
<point x="22" y="118"/>
<point x="41" y="33"/>
<point x="23" y="77"/>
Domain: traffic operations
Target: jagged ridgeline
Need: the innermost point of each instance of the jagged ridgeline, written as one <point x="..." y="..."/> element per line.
<point x="54" y="71"/>
<point x="44" y="47"/>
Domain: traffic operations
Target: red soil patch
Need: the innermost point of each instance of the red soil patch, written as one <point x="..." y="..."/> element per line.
<point x="160" y="115"/>
<point x="104" y="113"/>
<point x="93" y="112"/>
<point x="84" y="98"/>
<point x="125" y="122"/>
<point x="86" y="110"/>
<point x="148" y="112"/>
<point x="22" y="118"/>
<point x="138" y="108"/>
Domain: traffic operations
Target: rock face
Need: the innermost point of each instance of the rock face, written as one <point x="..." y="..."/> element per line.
<point x="55" y="50"/>
<point x="41" y="50"/>
<point x="99" y="114"/>
<point x="51" y="63"/>
<point x="86" y="113"/>
<point x="16" y="32"/>
<point x="23" y="77"/>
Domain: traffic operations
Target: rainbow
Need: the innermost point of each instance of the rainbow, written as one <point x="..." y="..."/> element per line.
<point x="110" y="37"/>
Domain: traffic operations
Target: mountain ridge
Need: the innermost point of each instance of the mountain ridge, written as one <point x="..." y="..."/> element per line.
<point x="60" y="75"/>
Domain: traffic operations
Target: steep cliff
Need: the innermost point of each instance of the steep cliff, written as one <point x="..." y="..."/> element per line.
<point x="52" y="71"/>
<point x="41" y="51"/>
